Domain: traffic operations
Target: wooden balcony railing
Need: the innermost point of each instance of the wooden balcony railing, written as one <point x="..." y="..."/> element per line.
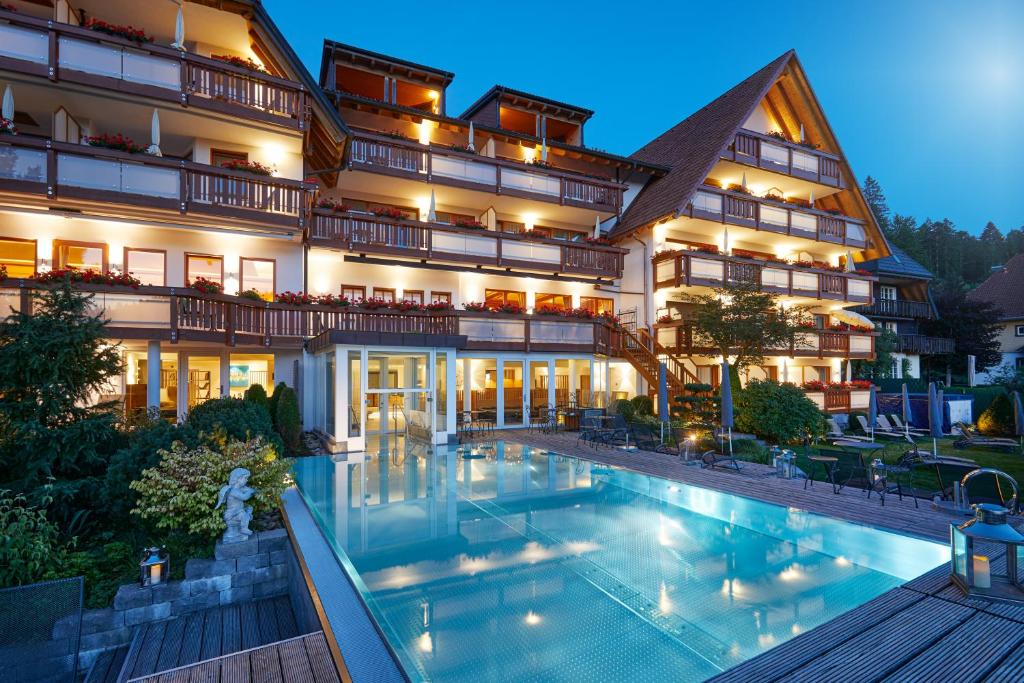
<point x="61" y="52"/>
<point x="898" y="308"/>
<point x="406" y="158"/>
<point x="726" y="206"/>
<point x="180" y="313"/>
<point x="773" y="154"/>
<point x="840" y="400"/>
<point x="679" y="337"/>
<point x="63" y="170"/>
<point x="924" y="345"/>
<point x="695" y="268"/>
<point x="369" y="234"/>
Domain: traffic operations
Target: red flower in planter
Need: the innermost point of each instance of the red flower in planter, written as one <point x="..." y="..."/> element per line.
<point x="254" y="167"/>
<point x="202" y="284"/>
<point x="388" y="212"/>
<point x="469" y="223"/>
<point x="332" y="300"/>
<point x="131" y="33"/>
<point x="814" y="385"/>
<point x="476" y="306"/>
<point x="610" y="318"/>
<point x="861" y="384"/>
<point x="118" y="142"/>
<point x="405" y="305"/>
<point x="547" y="309"/>
<point x="331" y="205"/>
<point x="603" y="241"/>
<point x="89" y="277"/>
<point x="240" y="62"/>
<point x="373" y="304"/>
<point x="509" y="307"/>
<point x="7" y="127"/>
<point x="663" y="319"/>
<point x="295" y="298"/>
<point x="582" y="313"/>
<point x="439" y="306"/>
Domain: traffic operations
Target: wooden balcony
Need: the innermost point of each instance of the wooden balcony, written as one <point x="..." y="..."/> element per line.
<point x="771" y="153"/>
<point x="840" y="400"/>
<point x="675" y="269"/>
<point x="679" y="337"/>
<point x="924" y="345"/>
<point x="60" y="170"/>
<point x="438" y="243"/>
<point x="61" y="52"/>
<point x="430" y="163"/>
<point x="176" y="314"/>
<point x="898" y="308"/>
<point x="735" y="208"/>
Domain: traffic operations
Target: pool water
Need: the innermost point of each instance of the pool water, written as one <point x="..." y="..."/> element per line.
<point x="506" y="563"/>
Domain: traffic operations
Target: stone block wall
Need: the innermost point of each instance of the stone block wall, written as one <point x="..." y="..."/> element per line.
<point x="257" y="568"/>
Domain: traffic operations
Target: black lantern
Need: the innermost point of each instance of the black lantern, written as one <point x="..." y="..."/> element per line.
<point x="155" y="567"/>
<point x="975" y="573"/>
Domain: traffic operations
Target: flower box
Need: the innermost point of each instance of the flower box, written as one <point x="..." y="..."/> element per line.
<point x="295" y="298"/>
<point x="251" y="294"/>
<point x="136" y="35"/>
<point x="253" y="167"/>
<point x="331" y="205"/>
<point x="88" y="277"/>
<point x="241" y="63"/>
<point x="476" y="306"/>
<point x="7" y="127"/>
<point x="205" y="286"/>
<point x="469" y="224"/>
<point x="547" y="309"/>
<point x="436" y="306"/>
<point x="373" y="304"/>
<point x="388" y="212"/>
<point x="117" y="142"/>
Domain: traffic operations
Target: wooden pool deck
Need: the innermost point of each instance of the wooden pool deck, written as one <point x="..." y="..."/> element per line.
<point x="924" y="630"/>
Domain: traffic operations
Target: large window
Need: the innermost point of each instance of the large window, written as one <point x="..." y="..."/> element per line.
<point x="413" y="295"/>
<point x="259" y="274"/>
<point x="204" y="266"/>
<point x="80" y="255"/>
<point x="495" y="298"/>
<point x="148" y="265"/>
<point x="598" y="305"/>
<point x="385" y="293"/>
<point x="18" y="257"/>
<point x="441" y="297"/>
<point x="353" y="292"/>
<point x="559" y="301"/>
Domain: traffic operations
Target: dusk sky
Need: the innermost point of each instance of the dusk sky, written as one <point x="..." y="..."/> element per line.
<point x="926" y="96"/>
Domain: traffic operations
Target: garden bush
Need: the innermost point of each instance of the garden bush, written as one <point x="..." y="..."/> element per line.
<point x="624" y="407"/>
<point x="181" y="491"/>
<point x="239" y="419"/>
<point x="273" y="400"/>
<point x="145" y="441"/>
<point x="289" y="425"/>
<point x="642" y="405"/>
<point x="29" y="543"/>
<point x="258" y="395"/>
<point x="997" y="420"/>
<point x="780" y="413"/>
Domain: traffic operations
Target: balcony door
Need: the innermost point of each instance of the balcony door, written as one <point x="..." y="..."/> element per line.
<point x="395" y="392"/>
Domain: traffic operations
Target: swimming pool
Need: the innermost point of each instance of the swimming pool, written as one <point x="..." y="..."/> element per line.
<point x="503" y="562"/>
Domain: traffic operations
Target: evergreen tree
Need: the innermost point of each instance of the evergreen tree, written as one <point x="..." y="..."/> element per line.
<point x="54" y="364"/>
<point x="876" y="201"/>
<point x="974" y="326"/>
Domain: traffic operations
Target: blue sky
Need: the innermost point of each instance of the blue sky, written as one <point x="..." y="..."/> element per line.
<point x="926" y="96"/>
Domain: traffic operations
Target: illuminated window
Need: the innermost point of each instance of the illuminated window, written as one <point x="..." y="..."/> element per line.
<point x="204" y="266"/>
<point x="514" y="227"/>
<point x="80" y="255"/>
<point x="562" y="301"/>
<point x="495" y="298"/>
<point x="259" y="274"/>
<point x="441" y="297"/>
<point x="365" y="206"/>
<point x="18" y="257"/>
<point x="413" y="295"/>
<point x="597" y="305"/>
<point x="148" y="265"/>
<point x="353" y="292"/>
<point x="384" y="293"/>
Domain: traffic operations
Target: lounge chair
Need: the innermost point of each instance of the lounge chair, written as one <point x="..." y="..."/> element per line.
<point x="879" y="431"/>
<point x="646" y="437"/>
<point x="885" y="426"/>
<point x="716" y="459"/>
<point x="836" y="433"/>
<point x="589" y="428"/>
<point x="971" y="439"/>
<point x="901" y="426"/>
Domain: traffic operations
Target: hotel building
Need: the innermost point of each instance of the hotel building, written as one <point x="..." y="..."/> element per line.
<point x="363" y="187"/>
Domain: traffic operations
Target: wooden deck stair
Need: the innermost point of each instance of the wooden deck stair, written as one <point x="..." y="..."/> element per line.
<point x="645" y="354"/>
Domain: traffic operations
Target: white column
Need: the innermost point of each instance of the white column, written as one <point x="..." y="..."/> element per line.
<point x="341" y="384"/>
<point x="225" y="374"/>
<point x="499" y="397"/>
<point x="551" y="382"/>
<point x="153" y="376"/>
<point x="467" y="386"/>
<point x="452" y="395"/>
<point x="182" y="384"/>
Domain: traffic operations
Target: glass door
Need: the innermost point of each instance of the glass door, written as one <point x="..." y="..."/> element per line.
<point x="398" y="398"/>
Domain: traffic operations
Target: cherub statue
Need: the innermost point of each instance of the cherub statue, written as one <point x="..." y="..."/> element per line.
<point x="237" y="515"/>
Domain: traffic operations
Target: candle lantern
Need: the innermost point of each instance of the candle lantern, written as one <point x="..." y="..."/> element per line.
<point x="155" y="566"/>
<point x="971" y="566"/>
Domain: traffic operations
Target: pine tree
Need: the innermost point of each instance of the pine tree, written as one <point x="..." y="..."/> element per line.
<point x="875" y="198"/>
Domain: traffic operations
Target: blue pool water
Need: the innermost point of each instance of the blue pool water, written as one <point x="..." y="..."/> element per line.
<point x="517" y="564"/>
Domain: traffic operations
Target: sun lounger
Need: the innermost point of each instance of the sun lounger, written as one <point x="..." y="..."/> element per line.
<point x="901" y="426"/>
<point x="836" y="433"/>
<point x="970" y="439"/>
<point x="878" y="430"/>
<point x="716" y="459"/>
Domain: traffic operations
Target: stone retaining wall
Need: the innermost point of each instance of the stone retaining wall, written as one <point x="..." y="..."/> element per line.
<point x="257" y="568"/>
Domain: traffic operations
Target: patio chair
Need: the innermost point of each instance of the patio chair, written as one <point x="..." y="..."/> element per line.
<point x="675" y="442"/>
<point x="715" y="459"/>
<point x="647" y="437"/>
<point x="901" y="426"/>
<point x="619" y="432"/>
<point x="538" y="418"/>
<point x="887" y="427"/>
<point x="971" y="439"/>
<point x="988" y="486"/>
<point x="836" y="432"/>
<point x="589" y="428"/>
<point x="863" y="422"/>
<point x="948" y="473"/>
<point x="849" y="469"/>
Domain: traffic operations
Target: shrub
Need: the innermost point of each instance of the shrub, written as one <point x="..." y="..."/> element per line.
<point x="780" y="413"/>
<point x="272" y="401"/>
<point x="237" y="418"/>
<point x="181" y="491"/>
<point x="256" y="394"/>
<point x="625" y="408"/>
<point x="289" y="425"/>
<point x="750" y="450"/>
<point x="997" y="420"/>
<point x="642" y="405"/>
<point x="29" y="542"/>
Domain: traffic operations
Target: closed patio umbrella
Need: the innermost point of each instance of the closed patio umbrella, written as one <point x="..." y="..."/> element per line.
<point x="1018" y="417"/>
<point x="597" y="226"/>
<point x="726" y="389"/>
<point x="432" y="209"/>
<point x="934" y="417"/>
<point x="872" y="411"/>
<point x="7" y="111"/>
<point x="905" y="406"/>
<point x="154" y="135"/>
<point x="179" y="30"/>
<point x="472" y="145"/>
<point x="544" y="150"/>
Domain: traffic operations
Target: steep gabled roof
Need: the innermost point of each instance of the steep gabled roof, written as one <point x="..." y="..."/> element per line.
<point x="575" y="112"/>
<point x="897" y="263"/>
<point x="1005" y="289"/>
<point x="693" y="146"/>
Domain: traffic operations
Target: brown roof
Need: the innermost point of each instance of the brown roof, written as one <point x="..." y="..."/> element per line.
<point x="692" y="147"/>
<point x="1004" y="288"/>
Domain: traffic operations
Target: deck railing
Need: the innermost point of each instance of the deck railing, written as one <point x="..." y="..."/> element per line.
<point x="898" y="308"/>
<point x="696" y="268"/>
<point x="366" y="233"/>
<point x="59" y="169"/>
<point x="679" y="337"/>
<point x="771" y="153"/>
<point x="62" y="52"/>
<point x="922" y="344"/>
<point x="400" y="156"/>
<point x="727" y="206"/>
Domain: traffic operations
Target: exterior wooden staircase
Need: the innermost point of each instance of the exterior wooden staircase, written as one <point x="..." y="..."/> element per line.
<point x="645" y="354"/>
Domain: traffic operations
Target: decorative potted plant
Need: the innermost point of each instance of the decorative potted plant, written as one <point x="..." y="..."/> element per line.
<point x="333" y="300"/>
<point x="88" y="277"/>
<point x="241" y="62"/>
<point x="469" y="223"/>
<point x="405" y="306"/>
<point x="387" y="212"/>
<point x="509" y="307"/>
<point x="117" y="142"/>
<point x="294" y="298"/>
<point x="136" y="35"/>
<point x="476" y="306"/>
<point x="7" y="127"/>
<point x="206" y="286"/>
<point x="331" y="205"/>
<point x="436" y="306"/>
<point x="253" y="167"/>
<point x="374" y="304"/>
<point x="547" y="309"/>
<point x="251" y="294"/>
